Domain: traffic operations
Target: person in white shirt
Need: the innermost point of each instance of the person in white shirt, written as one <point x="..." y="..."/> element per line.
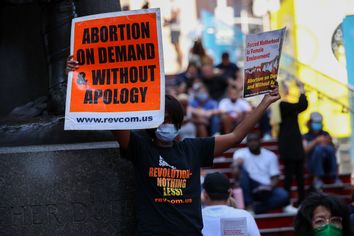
<point x="233" y="109"/>
<point x="258" y="172"/>
<point x="216" y="193"/>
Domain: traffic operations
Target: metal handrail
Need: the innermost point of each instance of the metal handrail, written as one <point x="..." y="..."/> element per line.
<point x="322" y="94"/>
<point x="297" y="62"/>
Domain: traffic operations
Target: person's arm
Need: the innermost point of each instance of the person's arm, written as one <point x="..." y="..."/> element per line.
<point x="226" y="141"/>
<point x="123" y="138"/>
<point x="302" y="104"/>
<point x="309" y="146"/>
<point x="236" y="167"/>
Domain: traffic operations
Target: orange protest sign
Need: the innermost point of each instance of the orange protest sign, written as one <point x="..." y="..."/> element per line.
<point x="120" y="68"/>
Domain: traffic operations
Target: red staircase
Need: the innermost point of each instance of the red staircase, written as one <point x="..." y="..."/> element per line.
<point x="278" y="223"/>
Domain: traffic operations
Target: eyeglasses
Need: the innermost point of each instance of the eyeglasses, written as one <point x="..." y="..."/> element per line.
<point x="320" y="222"/>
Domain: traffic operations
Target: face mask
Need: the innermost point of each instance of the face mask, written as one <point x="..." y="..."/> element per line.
<point x="166" y="132"/>
<point x="202" y="96"/>
<point x="327" y="230"/>
<point x="316" y="126"/>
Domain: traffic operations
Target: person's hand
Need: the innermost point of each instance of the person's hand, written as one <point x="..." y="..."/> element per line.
<point x="231" y="202"/>
<point x="272" y="96"/>
<point x="322" y="139"/>
<point x="71" y="64"/>
<point x="300" y="85"/>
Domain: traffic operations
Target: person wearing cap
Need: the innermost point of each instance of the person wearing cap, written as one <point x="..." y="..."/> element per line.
<point x="216" y="193"/>
<point x="320" y="151"/>
<point x="258" y="174"/>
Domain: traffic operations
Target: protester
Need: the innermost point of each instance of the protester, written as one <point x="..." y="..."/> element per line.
<point x="205" y="111"/>
<point x="290" y="141"/>
<point x="185" y="80"/>
<point x="322" y="215"/>
<point x="258" y="172"/>
<point x="167" y="173"/>
<point x="215" y="83"/>
<point x="175" y="30"/>
<point x="228" y="68"/>
<point x="233" y="109"/>
<point x="216" y="194"/>
<point x="198" y="55"/>
<point x="320" y="151"/>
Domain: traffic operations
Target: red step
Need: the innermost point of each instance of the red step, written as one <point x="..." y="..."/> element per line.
<point x="282" y="231"/>
<point x="274" y="220"/>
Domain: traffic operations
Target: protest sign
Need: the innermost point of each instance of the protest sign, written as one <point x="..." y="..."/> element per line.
<point x="262" y="58"/>
<point x="120" y="82"/>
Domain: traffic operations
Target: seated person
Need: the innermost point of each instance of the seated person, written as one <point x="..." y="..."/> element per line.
<point x="320" y="151"/>
<point x="216" y="194"/>
<point x="215" y="83"/>
<point x="185" y="80"/>
<point x="258" y="172"/>
<point x="228" y="68"/>
<point x="233" y="109"/>
<point x="320" y="215"/>
<point x="205" y="111"/>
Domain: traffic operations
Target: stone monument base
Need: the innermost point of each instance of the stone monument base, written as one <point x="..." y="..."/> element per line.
<point x="66" y="190"/>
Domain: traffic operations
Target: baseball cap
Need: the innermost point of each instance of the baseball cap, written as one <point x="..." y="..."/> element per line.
<point x="316" y="117"/>
<point x="217" y="186"/>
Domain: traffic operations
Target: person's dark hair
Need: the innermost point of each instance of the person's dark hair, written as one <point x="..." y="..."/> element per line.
<point x="225" y="55"/>
<point x="174" y="108"/>
<point x="146" y="5"/>
<point x="198" y="48"/>
<point x="217" y="186"/>
<point x="303" y="220"/>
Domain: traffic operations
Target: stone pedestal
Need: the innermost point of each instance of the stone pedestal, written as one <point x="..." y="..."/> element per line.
<point x="82" y="189"/>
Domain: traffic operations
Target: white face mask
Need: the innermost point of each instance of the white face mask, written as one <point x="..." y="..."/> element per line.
<point x="166" y="132"/>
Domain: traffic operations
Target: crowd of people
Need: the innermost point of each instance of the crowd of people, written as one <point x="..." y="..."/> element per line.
<point x="205" y="115"/>
<point x="214" y="93"/>
<point x="212" y="99"/>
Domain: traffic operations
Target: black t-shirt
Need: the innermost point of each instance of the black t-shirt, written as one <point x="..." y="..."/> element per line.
<point x="168" y="184"/>
<point x="290" y="139"/>
<point x="309" y="137"/>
